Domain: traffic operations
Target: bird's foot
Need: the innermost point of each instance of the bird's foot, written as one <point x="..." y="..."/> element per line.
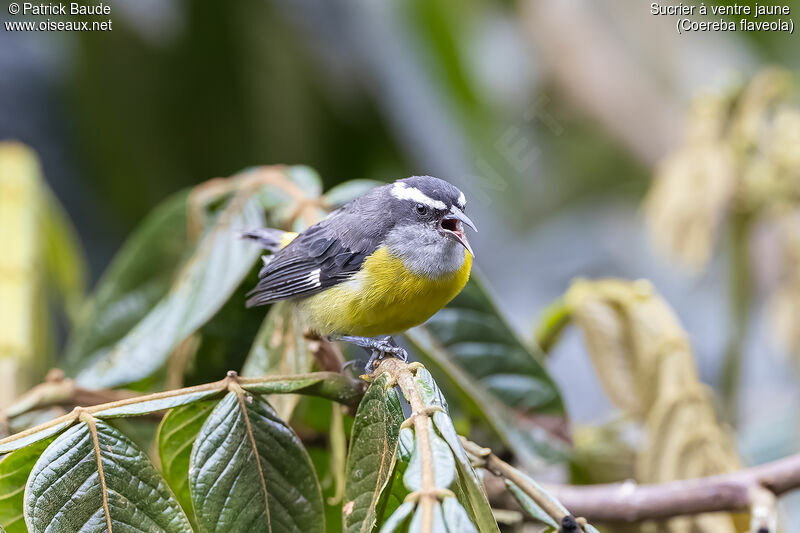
<point x="379" y="347"/>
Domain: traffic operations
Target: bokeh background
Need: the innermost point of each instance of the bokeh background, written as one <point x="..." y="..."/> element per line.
<point x="553" y="116"/>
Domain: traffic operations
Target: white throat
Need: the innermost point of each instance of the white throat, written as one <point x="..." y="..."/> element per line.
<point x="424" y="251"/>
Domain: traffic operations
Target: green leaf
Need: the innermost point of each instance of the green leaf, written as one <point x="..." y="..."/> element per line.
<point x="205" y="282"/>
<point x="64" y="258"/>
<point x="475" y="497"/>
<point x="438" y="525"/>
<point x="373" y="442"/>
<point x="398" y="518"/>
<point x="176" y="435"/>
<point x="542" y="490"/>
<point x="14" y="471"/>
<point x="444" y="467"/>
<point x="497" y="377"/>
<point x="93" y="478"/>
<point x="530" y="506"/>
<point x="405" y="444"/>
<point x="249" y="472"/>
<point x="296" y="182"/>
<point x="138" y="277"/>
<point x="395" y="491"/>
<point x="456" y="518"/>
<point x="279" y="349"/>
<point x="28" y="437"/>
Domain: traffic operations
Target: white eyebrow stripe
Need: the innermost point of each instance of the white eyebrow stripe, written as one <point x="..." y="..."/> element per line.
<point x="399" y="190"/>
<point x="462" y="200"/>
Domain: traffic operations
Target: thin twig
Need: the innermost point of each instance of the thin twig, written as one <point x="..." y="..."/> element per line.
<point x="57" y="391"/>
<point x="629" y="502"/>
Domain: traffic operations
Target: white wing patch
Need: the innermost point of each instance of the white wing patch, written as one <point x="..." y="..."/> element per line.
<point x="401" y="191"/>
<point x="313" y="277"/>
<point x="462" y="201"/>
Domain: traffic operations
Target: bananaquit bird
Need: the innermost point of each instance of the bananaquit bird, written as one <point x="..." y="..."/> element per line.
<point x="383" y="263"/>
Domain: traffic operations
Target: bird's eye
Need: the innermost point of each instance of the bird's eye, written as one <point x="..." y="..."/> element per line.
<point x="421" y="209"/>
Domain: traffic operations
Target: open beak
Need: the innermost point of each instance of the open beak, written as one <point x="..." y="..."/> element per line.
<point x="453" y="225"/>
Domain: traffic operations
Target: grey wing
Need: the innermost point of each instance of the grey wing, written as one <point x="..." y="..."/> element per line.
<point x="322" y="256"/>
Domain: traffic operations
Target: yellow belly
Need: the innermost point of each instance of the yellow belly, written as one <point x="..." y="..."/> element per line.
<point x="382" y="298"/>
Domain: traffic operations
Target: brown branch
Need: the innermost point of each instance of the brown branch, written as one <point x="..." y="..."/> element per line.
<point x="629" y="502"/>
<point x="332" y="386"/>
<point x="58" y="391"/>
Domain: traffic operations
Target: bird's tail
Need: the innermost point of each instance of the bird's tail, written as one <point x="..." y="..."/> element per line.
<point x="269" y="239"/>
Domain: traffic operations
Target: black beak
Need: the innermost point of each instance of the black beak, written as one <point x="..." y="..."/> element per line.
<point x="452" y="225"/>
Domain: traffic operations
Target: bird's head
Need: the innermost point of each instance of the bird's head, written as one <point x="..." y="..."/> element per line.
<point x="431" y="208"/>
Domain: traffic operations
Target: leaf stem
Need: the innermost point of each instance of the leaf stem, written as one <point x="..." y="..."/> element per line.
<point x="403" y="374"/>
<point x="84" y="416"/>
<point x="328" y="385"/>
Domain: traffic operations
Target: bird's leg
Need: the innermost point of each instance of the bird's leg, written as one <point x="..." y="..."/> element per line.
<point x="379" y="347"/>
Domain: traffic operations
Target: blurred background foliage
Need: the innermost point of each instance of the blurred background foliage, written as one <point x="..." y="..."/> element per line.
<point x="554" y="117"/>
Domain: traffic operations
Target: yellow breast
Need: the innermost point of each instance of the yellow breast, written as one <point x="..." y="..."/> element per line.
<point x="384" y="297"/>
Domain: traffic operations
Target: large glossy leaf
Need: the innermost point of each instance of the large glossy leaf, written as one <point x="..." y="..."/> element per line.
<point x="15" y="468"/>
<point x="444" y="467"/>
<point x="176" y="435"/>
<point x="64" y="259"/>
<point x="203" y="282"/>
<point x="497" y="377"/>
<point x="456" y="518"/>
<point x="218" y="264"/>
<point x="280" y="348"/>
<point x="437" y="525"/>
<point x="93" y="478"/>
<point x="475" y="499"/>
<point x="138" y="277"/>
<point x="399" y="517"/>
<point x="372" y="455"/>
<point x="222" y="343"/>
<point x="396" y="491"/>
<point x="530" y="506"/>
<point x="35" y="434"/>
<point x="249" y="472"/>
